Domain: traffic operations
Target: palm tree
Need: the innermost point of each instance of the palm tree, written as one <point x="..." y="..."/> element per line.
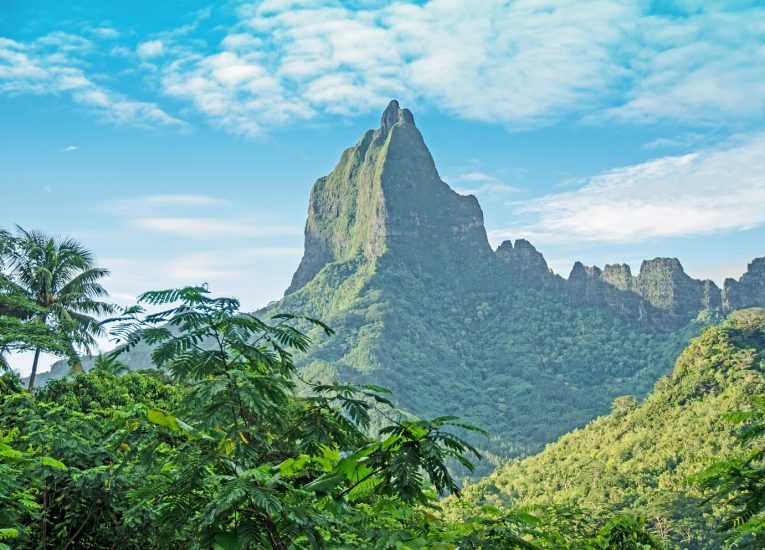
<point x="109" y="363"/>
<point x="61" y="277"/>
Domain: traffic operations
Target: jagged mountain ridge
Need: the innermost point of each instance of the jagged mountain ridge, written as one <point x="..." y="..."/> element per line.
<point x="400" y="265"/>
<point x="662" y="296"/>
<point x="357" y="210"/>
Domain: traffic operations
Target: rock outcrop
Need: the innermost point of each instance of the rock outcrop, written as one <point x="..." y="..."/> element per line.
<point x="665" y="285"/>
<point x="611" y="288"/>
<point x="528" y="266"/>
<point x="385" y="195"/>
<point x="661" y="296"/>
<point x="749" y="290"/>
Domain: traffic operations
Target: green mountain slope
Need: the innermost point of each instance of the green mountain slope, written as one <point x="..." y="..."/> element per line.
<point x="638" y="458"/>
<point x="400" y="266"/>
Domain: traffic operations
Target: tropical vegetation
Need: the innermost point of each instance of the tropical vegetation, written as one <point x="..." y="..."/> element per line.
<point x="227" y="443"/>
<point x="52" y="285"/>
<point x="651" y="458"/>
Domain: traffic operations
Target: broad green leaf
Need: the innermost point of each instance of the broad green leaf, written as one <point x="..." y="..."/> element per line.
<point x="52" y="463"/>
<point x="226" y="541"/>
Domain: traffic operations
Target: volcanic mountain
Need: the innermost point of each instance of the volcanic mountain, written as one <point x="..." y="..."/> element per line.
<point x="400" y="265"/>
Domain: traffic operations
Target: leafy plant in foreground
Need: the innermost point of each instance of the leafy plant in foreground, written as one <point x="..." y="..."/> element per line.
<point x="739" y="481"/>
<point x="246" y="461"/>
<point x="56" y="283"/>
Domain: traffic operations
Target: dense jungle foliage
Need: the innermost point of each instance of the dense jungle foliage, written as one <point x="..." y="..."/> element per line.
<point x="226" y="444"/>
<point x="652" y="458"/>
<point x="215" y="449"/>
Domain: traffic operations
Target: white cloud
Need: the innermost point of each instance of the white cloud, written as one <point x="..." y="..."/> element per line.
<point x="681" y="141"/>
<point x="480" y="183"/>
<point x="212" y="228"/>
<point x="163" y="202"/>
<point x="151" y="48"/>
<point x="105" y="32"/>
<point x="69" y="149"/>
<point x="695" y="68"/>
<point x="50" y="65"/>
<point x="490" y="189"/>
<point x="706" y="192"/>
<point x="522" y="64"/>
<point x="171" y="215"/>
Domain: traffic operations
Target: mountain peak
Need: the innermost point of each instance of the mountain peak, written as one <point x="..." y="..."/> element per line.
<point x="393" y="115"/>
<point x="527" y="264"/>
<point x="385" y="197"/>
<point x="747" y="291"/>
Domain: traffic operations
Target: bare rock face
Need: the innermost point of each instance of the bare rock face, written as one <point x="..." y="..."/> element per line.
<point x="527" y="265"/>
<point x="662" y="295"/>
<point x="618" y="276"/>
<point x="665" y="285"/>
<point x="749" y="290"/>
<point x="611" y="288"/>
<point x="385" y="197"/>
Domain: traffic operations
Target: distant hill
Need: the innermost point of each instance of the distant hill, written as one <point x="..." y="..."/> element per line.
<point x="637" y="459"/>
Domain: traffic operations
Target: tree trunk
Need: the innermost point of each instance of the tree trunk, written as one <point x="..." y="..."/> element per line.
<point x="34" y="370"/>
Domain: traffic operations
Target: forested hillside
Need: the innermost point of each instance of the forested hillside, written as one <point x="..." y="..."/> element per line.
<point x="222" y="453"/>
<point x="400" y="265"/>
<point x="216" y="449"/>
<point x="641" y="458"/>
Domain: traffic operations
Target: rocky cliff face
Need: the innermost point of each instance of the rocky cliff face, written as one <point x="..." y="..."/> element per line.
<point x="385" y="195"/>
<point x="385" y="199"/>
<point x="664" y="284"/>
<point x="661" y="296"/>
<point x="749" y="290"/>
<point x="528" y="266"/>
<point x="615" y="288"/>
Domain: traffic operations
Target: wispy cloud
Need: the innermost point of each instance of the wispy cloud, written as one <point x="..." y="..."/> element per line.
<point x="51" y="65"/>
<point x="522" y="64"/>
<point x="152" y="48"/>
<point x="212" y="228"/>
<point x="105" y="32"/>
<point x="69" y="149"/>
<point x="179" y="216"/>
<point x="709" y="191"/>
<point x="481" y="183"/>
<point x="163" y="202"/>
<point x="681" y="141"/>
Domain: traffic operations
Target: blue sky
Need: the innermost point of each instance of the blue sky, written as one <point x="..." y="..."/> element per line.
<point x="180" y="142"/>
